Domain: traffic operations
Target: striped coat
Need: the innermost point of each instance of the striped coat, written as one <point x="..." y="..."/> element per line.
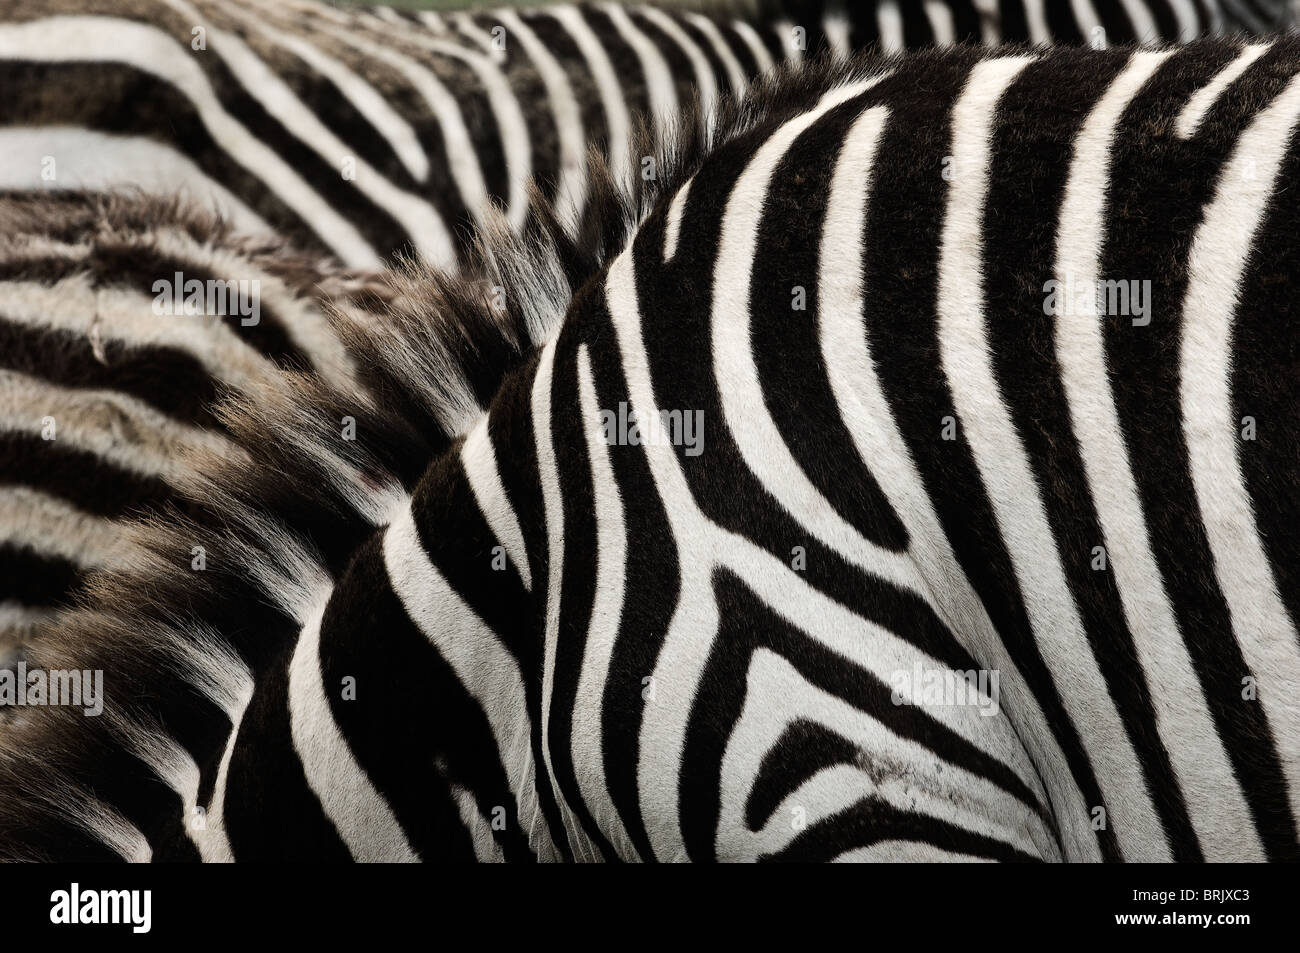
<point x="929" y="444"/>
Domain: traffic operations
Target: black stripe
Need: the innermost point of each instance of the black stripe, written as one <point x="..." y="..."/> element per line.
<point x="510" y="427"/>
<point x="804" y="749"/>
<point x="1114" y="20"/>
<point x="916" y="26"/>
<point x="1040" y="118"/>
<point x="747" y="624"/>
<point x="271" y="813"/>
<point x="1013" y="21"/>
<point x="121" y="100"/>
<point x="31" y="578"/>
<point x="1061" y="23"/>
<point x="627" y="65"/>
<point x="79" y="476"/>
<point x="900" y="249"/>
<point x="651" y="595"/>
<point x="1148" y="232"/>
<point x="1166" y="21"/>
<point x="410" y="716"/>
<point x="872" y="821"/>
<point x="785" y="341"/>
<point x="966" y="21"/>
<point x="577" y="593"/>
<point x="565" y="50"/>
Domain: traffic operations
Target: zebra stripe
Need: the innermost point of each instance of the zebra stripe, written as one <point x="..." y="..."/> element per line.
<point x="680" y="655"/>
<point x="364" y="134"/>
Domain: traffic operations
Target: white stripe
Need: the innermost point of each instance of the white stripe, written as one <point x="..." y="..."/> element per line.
<point x="486" y="849"/>
<point x="462" y="157"/>
<point x="617" y="117"/>
<point x="705" y="82"/>
<point x="96" y="162"/>
<point x="51" y="526"/>
<point x="572" y="187"/>
<point x="483" y="665"/>
<point x="479" y="458"/>
<point x="108" y="39"/>
<point x="836" y="27"/>
<point x="1036" y="20"/>
<point x="1008" y="478"/>
<point x="1185" y="14"/>
<point x="658" y="76"/>
<point x="120" y="417"/>
<point x="1191" y="116"/>
<point x="465" y="23"/>
<point x="905" y="852"/>
<point x="1215" y="804"/>
<point x="890" y="23"/>
<point x="990" y="22"/>
<point x="785" y="34"/>
<point x="553" y="510"/>
<point x="367" y="100"/>
<point x="606" y="615"/>
<point x="14" y="615"/>
<point x="735" y="72"/>
<point x="114" y="428"/>
<point x="433" y="21"/>
<point x="391" y="16"/>
<point x="899" y="771"/>
<point x="1215" y="268"/>
<point x="941" y="24"/>
<point x="673" y="221"/>
<point x="357" y="810"/>
<point x="1145" y="29"/>
<point x="870" y="421"/>
<point x="756" y="48"/>
<point x="1086" y="18"/>
<point x="516" y="143"/>
<point x="755" y="433"/>
<point x="115" y="314"/>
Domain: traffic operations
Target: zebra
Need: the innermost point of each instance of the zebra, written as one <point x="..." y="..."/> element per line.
<point x="526" y="615"/>
<point x="344" y="131"/>
<point x="244" y="103"/>
<point x="364" y="134"/>
<point x="103" y="381"/>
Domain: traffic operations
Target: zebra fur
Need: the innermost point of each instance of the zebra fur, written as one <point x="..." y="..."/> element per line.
<point x="523" y="690"/>
<point x="339" y="66"/>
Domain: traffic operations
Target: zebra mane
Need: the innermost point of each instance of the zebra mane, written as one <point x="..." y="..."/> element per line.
<point x="222" y="583"/>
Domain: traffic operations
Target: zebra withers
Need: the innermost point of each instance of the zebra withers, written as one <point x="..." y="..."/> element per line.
<point x="928" y="445"/>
